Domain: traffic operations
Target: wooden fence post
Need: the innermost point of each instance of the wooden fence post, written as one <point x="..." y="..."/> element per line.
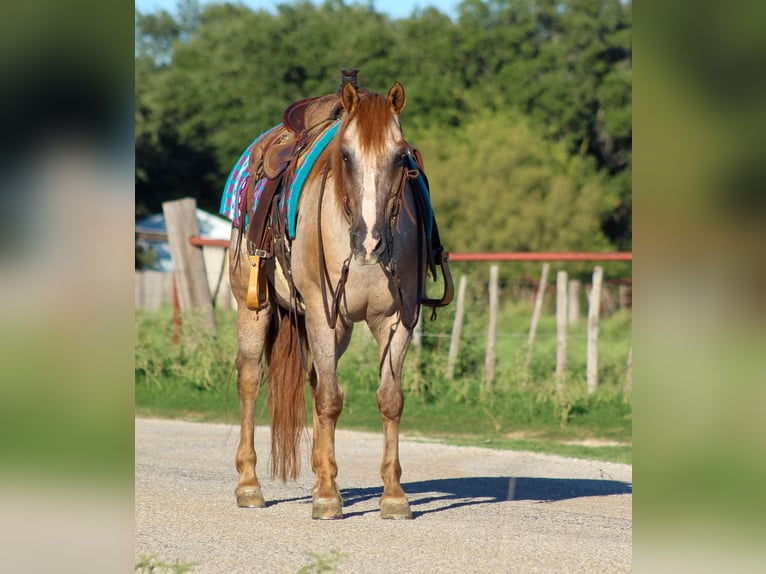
<point x="489" y="363"/>
<point x="456" y="328"/>
<point x="153" y="290"/>
<point x="176" y="313"/>
<point x="561" y="328"/>
<point x="573" y="301"/>
<point x="594" y="305"/>
<point x="188" y="264"/>
<point x="628" y="387"/>
<point x="536" y="313"/>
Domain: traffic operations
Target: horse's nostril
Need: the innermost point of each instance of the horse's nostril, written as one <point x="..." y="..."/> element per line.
<point x="357" y="237"/>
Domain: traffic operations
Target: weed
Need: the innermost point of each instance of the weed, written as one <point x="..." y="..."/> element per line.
<point x="153" y="565"/>
<point x="323" y="562"/>
<point x="201" y="359"/>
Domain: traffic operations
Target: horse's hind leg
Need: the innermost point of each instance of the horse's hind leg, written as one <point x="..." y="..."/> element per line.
<point x="393" y="339"/>
<point x="252" y="331"/>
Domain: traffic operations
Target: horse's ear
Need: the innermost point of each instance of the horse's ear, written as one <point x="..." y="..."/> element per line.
<point x="396" y="97"/>
<point x="350" y="97"/>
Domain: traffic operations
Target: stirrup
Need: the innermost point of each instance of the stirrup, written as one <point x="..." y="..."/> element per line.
<point x="449" y="286"/>
<point x="257" y="290"/>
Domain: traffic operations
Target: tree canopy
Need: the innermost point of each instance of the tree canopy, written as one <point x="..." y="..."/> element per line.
<point x="522" y="108"/>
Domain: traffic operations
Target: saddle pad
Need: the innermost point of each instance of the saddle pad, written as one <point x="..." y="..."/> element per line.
<point x="236" y="183"/>
<point x="233" y="200"/>
<point x="422" y="186"/>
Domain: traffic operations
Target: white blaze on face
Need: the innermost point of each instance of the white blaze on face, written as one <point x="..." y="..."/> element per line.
<point x="366" y="164"/>
<point x="369" y="207"/>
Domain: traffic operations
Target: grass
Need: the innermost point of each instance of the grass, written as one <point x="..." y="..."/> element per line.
<point x="323" y="562"/>
<point x="196" y="381"/>
<point x="154" y="565"/>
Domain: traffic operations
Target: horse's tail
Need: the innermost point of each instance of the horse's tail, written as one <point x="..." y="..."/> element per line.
<point x="287" y="402"/>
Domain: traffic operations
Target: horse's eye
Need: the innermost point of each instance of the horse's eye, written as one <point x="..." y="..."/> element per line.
<point x="345" y="157"/>
<point x="399" y="160"/>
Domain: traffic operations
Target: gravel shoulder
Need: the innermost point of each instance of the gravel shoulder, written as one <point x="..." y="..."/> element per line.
<point x="475" y="509"/>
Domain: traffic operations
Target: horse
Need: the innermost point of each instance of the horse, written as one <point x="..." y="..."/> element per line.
<point x="357" y="256"/>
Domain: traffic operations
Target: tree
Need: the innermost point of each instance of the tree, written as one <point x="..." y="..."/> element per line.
<point x="530" y="99"/>
<point x="499" y="186"/>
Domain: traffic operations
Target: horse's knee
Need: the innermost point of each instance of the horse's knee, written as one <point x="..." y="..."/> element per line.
<point x="390" y="401"/>
<point x="249" y="374"/>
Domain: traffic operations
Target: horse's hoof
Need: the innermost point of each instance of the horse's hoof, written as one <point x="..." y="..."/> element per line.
<point x="250" y="497"/>
<point x="327" y="509"/>
<point x="395" y="508"/>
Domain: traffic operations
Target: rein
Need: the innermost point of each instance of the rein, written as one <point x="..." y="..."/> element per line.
<point x="332" y="306"/>
<point x="330" y="311"/>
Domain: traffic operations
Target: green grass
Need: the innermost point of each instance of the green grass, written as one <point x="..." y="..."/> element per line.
<point x="196" y="381"/>
<point x="153" y="565"/>
<point x="323" y="562"/>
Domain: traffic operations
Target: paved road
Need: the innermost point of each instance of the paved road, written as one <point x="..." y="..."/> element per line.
<point x="475" y="510"/>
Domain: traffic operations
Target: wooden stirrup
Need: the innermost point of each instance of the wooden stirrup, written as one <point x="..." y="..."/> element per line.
<point x="257" y="290"/>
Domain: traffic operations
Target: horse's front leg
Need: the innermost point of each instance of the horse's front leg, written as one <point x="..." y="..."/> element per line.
<point x="326" y="347"/>
<point x="393" y="340"/>
<point x="252" y="330"/>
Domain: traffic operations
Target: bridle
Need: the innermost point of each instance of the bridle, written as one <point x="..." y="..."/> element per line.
<point x="331" y="298"/>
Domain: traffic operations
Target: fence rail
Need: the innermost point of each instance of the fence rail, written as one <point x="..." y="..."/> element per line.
<point x="460" y="256"/>
<point x="542" y="256"/>
<point x="481" y="256"/>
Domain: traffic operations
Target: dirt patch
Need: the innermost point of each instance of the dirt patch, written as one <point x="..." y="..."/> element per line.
<point x="590" y="441"/>
<point x="525" y="435"/>
<point x="595" y="442"/>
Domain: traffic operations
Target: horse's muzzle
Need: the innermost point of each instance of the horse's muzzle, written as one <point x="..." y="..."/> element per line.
<point x="368" y="249"/>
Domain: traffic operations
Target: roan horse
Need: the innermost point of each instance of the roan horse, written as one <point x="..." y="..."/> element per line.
<point x="359" y="245"/>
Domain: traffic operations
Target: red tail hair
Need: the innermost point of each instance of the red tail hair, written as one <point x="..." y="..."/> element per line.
<point x="287" y="402"/>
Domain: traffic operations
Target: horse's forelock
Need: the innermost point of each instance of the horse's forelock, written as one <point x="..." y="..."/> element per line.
<point x="373" y="118"/>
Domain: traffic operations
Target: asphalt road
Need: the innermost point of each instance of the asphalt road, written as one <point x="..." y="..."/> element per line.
<point x="475" y="510"/>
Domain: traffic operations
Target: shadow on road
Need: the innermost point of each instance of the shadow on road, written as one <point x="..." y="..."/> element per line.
<point x="470" y="491"/>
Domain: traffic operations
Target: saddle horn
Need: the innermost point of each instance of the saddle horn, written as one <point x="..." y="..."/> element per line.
<point x="349" y="75"/>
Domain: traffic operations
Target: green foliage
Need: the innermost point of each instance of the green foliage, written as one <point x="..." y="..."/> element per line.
<point x="202" y="361"/>
<point x="146" y="257"/>
<point x="529" y="99"/>
<point x="520" y="399"/>
<point x="522" y="405"/>
<point x="541" y="197"/>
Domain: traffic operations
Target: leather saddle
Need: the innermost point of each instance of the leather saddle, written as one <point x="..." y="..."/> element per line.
<point x="277" y="154"/>
<point x="299" y="120"/>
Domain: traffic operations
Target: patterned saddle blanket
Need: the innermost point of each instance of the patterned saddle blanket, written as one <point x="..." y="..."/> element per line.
<point x="233" y="199"/>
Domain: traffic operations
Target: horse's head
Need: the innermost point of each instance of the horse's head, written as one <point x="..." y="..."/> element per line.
<point x="370" y="160"/>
